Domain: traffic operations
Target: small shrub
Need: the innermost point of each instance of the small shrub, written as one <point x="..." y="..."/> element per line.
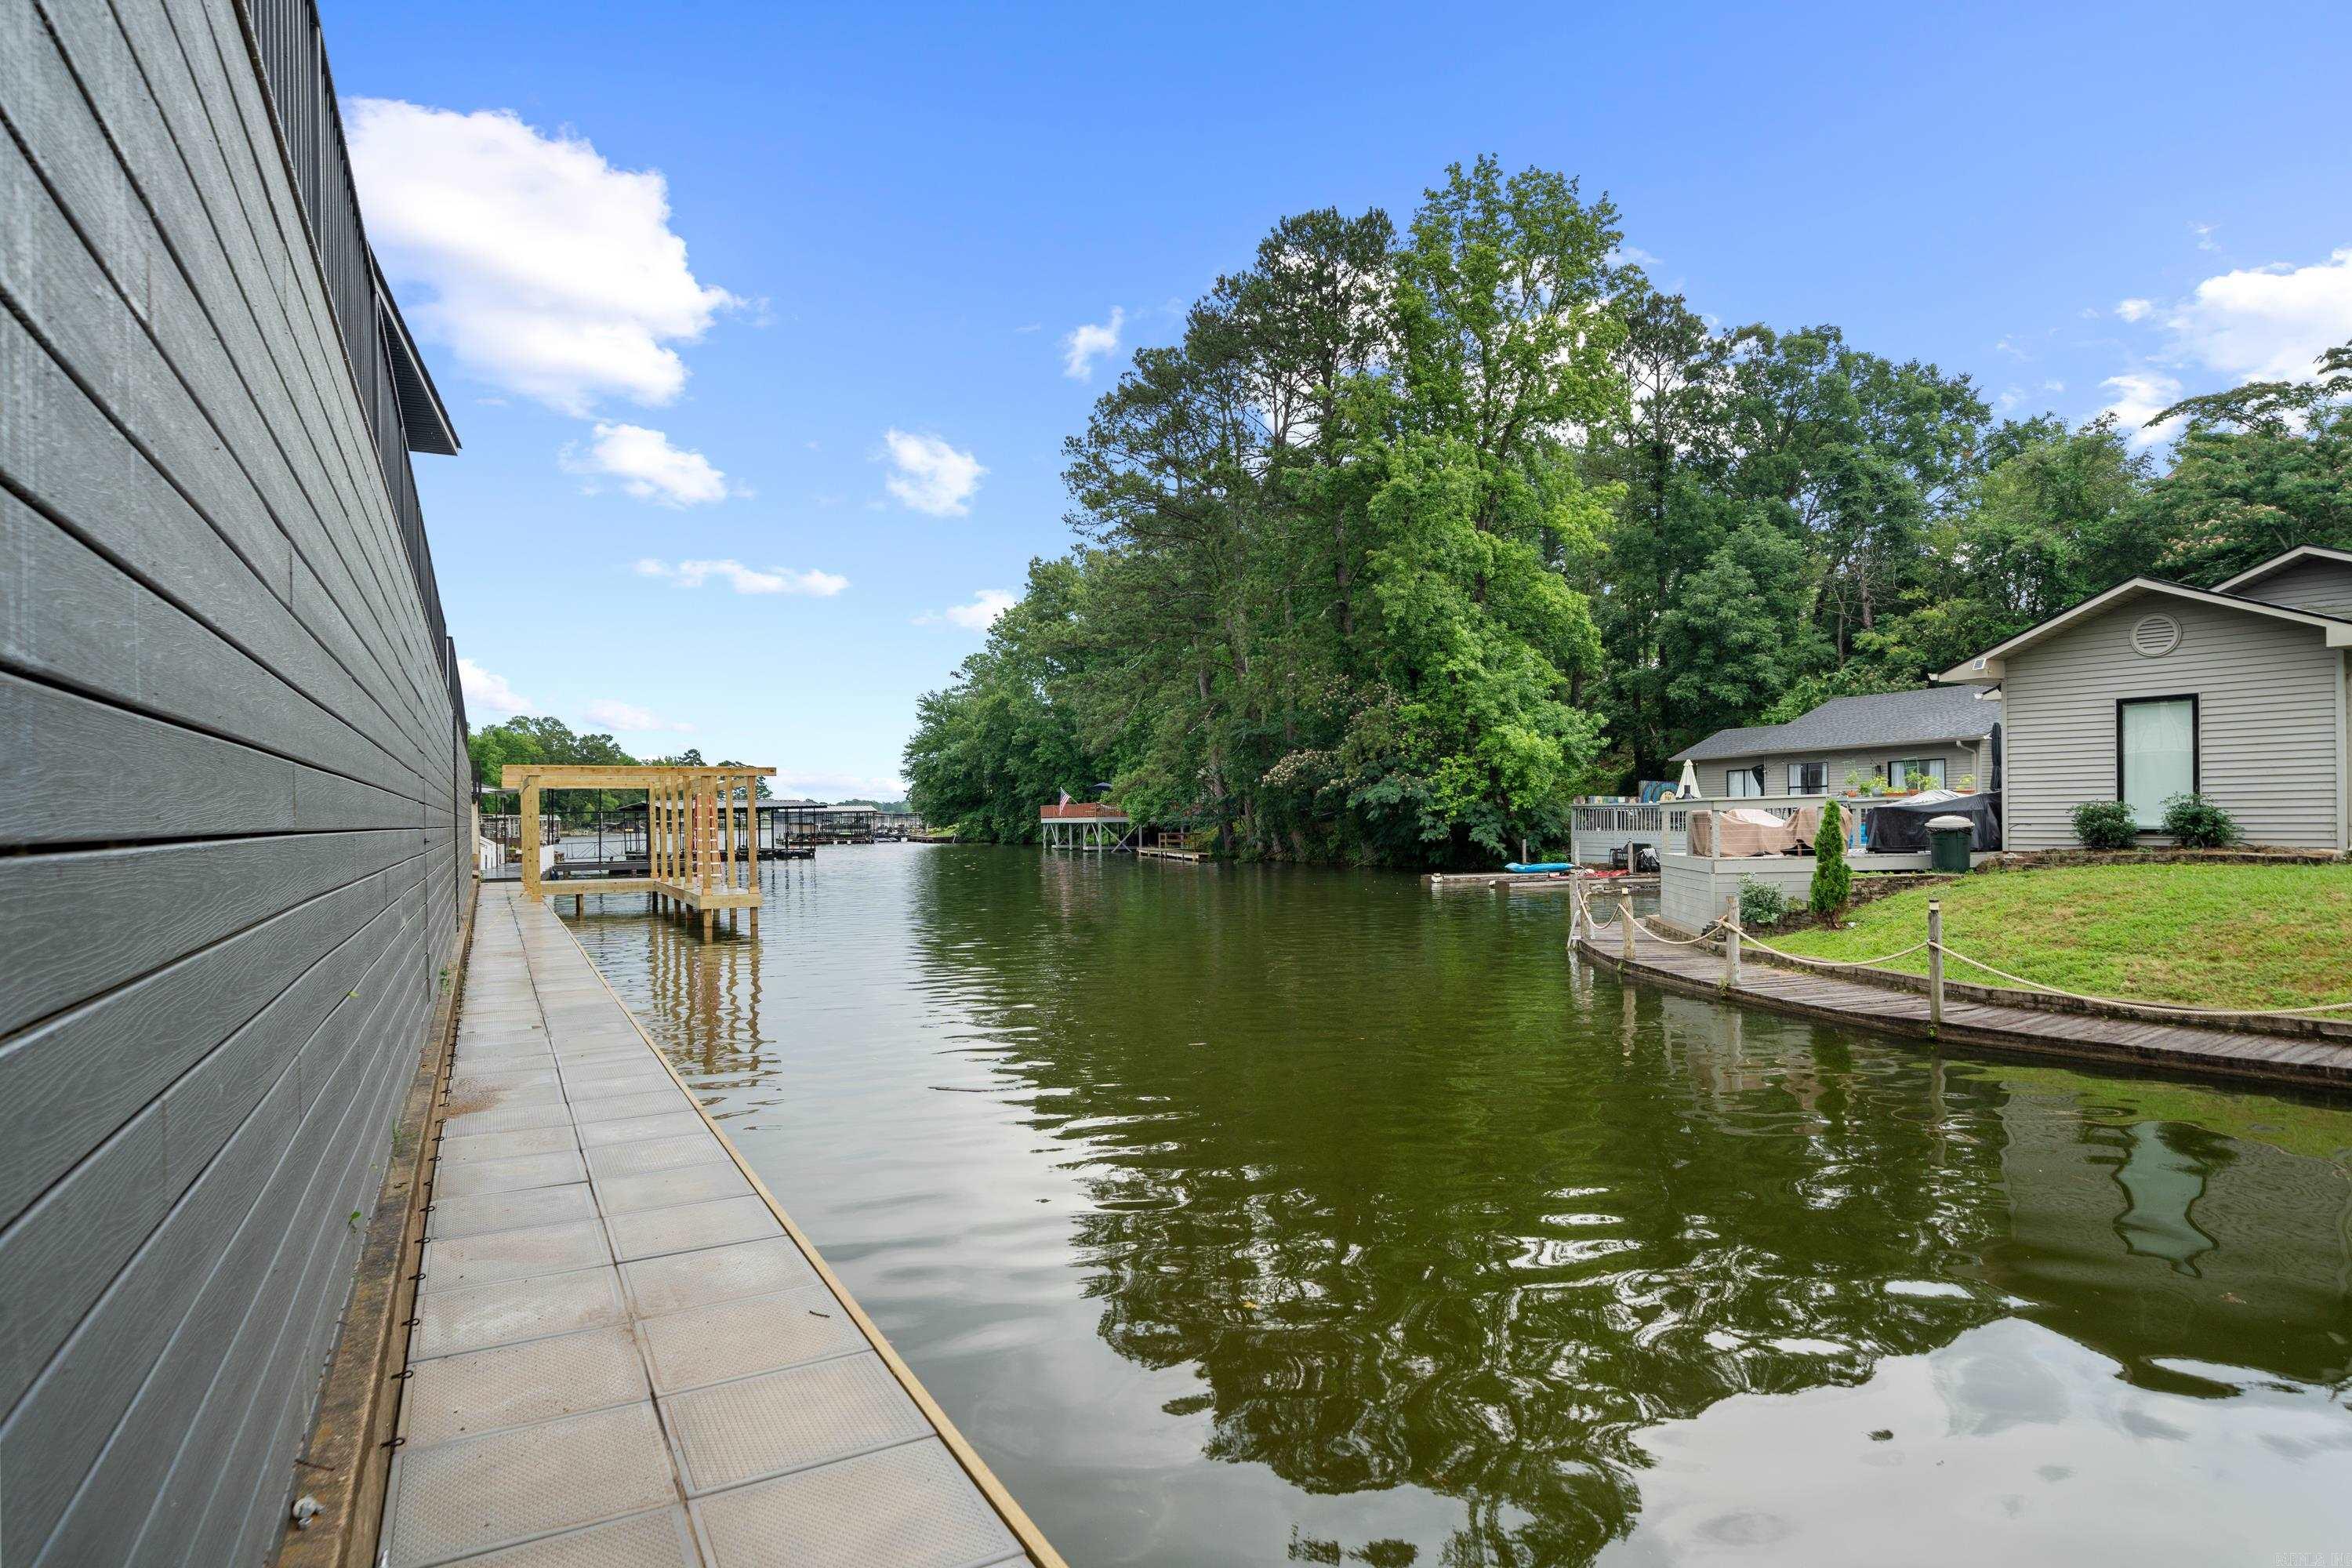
<point x="1968" y="784"/>
<point x="2196" y="823"/>
<point x="2105" y="825"/>
<point x="1832" y="877"/>
<point x="1761" y="903"/>
<point x="1916" y="779"/>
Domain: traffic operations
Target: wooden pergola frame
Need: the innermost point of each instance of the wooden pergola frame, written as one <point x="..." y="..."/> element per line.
<point x="690" y="833"/>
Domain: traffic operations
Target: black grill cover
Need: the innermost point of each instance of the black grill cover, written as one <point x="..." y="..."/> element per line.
<point x="1900" y="828"/>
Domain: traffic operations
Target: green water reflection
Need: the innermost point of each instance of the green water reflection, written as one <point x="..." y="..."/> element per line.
<point x="1245" y="1215"/>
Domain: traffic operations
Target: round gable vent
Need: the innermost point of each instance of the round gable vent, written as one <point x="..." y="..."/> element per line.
<point x="2155" y="637"/>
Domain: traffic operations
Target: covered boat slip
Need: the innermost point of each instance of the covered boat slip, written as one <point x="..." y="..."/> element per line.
<point x="697" y="856"/>
<point x="624" y="1351"/>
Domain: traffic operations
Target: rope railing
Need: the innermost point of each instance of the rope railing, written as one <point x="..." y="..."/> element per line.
<point x="2151" y="1006"/>
<point x="1826" y="962"/>
<point x="1728" y="928"/>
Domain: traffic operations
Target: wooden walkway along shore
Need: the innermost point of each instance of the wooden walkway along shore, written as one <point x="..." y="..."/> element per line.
<point x="624" y="1351"/>
<point x="1697" y="970"/>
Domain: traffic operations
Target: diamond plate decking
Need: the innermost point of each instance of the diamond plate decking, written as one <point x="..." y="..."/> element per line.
<point x="623" y="1352"/>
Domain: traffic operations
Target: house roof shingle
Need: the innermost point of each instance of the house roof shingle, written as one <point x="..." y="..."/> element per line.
<point x="1853" y="723"/>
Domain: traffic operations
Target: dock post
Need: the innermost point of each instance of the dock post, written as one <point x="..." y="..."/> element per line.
<point x="1625" y="920"/>
<point x="1731" y="943"/>
<point x="528" y="804"/>
<point x="1575" y="912"/>
<point x="1936" y="964"/>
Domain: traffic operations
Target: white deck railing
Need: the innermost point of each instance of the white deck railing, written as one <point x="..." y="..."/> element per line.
<point x="1597" y="829"/>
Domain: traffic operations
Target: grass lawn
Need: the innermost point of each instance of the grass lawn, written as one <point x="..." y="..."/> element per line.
<point x="2207" y="936"/>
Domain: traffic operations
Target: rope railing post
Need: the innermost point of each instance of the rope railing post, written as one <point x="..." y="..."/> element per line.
<point x="1936" y="964"/>
<point x="1731" y="943"/>
<point x="1625" y="919"/>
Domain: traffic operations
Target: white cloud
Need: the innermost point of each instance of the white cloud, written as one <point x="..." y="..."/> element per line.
<point x="1090" y="342"/>
<point x="648" y="467"/>
<point x="977" y="616"/>
<point x="930" y="476"/>
<point x="746" y="579"/>
<point x="2204" y="233"/>
<point x="629" y="718"/>
<point x="2134" y="309"/>
<point x="551" y="273"/>
<point x="2267" y="323"/>
<point x="487" y="693"/>
<point x="2139" y="398"/>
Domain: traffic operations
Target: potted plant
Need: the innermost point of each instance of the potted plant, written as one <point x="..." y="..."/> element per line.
<point x="1968" y="784"/>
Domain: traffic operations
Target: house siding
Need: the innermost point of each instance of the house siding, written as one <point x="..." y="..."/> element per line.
<point x="1959" y="760"/>
<point x="2323" y="586"/>
<point x="232" y="858"/>
<point x="2270" y="737"/>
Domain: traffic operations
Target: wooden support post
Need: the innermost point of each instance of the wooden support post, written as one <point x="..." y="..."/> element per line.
<point x="1935" y="963"/>
<point x="1625" y="919"/>
<point x="707" y="917"/>
<point x="1731" y="943"/>
<point x="530" y="805"/>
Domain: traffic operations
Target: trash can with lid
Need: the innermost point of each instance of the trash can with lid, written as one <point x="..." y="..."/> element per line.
<point x="1949" y="841"/>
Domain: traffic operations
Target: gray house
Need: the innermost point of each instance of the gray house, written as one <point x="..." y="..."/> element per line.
<point x="2155" y="688"/>
<point x="1951" y="733"/>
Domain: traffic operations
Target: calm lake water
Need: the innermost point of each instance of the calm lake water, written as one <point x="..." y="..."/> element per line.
<point x="1254" y="1216"/>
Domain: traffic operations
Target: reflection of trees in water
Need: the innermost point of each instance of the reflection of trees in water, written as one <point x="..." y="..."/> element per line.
<point x="1412" y="1225"/>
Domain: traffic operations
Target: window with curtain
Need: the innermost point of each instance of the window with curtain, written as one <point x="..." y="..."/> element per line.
<point x="1898" y="774"/>
<point x="1809" y="778"/>
<point x="1742" y="783"/>
<point x="2156" y="744"/>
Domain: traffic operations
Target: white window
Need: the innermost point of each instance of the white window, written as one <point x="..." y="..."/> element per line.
<point x="1809" y="778"/>
<point x="1741" y="783"/>
<point x="1898" y="774"/>
<point x="2156" y="753"/>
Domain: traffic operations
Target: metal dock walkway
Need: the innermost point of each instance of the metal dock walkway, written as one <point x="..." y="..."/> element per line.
<point x="623" y="1352"/>
<point x="1698" y="970"/>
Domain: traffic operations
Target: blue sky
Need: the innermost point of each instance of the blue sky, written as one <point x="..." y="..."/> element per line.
<point x="730" y="466"/>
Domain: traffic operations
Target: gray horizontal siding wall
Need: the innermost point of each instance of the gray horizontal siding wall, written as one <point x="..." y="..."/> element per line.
<point x="2270" y="711"/>
<point x="230" y="854"/>
<point x="2325" y="586"/>
<point x="1959" y="760"/>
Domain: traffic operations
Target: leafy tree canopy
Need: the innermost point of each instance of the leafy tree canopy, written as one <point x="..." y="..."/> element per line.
<point x="1415" y="533"/>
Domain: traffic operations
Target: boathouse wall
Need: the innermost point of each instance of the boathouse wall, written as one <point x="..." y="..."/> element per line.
<point x="231" y="733"/>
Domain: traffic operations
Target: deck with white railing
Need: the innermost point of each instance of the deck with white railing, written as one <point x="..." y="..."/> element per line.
<point x="1598" y="829"/>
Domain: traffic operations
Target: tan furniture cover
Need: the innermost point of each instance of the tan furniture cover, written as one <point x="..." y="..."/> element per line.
<point x="1744" y="831"/>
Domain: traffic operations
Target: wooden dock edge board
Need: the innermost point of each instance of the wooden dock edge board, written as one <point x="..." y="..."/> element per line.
<point x="1025" y="1530"/>
<point x="346" y="1460"/>
<point x="2011" y="1042"/>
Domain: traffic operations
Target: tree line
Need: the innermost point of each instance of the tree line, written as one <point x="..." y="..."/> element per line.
<point x="1416" y="534"/>
<point x="549" y="741"/>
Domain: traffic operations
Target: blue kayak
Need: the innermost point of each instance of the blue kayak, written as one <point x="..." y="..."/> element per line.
<point x="1541" y="865"/>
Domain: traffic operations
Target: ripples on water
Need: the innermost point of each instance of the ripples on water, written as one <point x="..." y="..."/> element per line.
<point x="1258" y="1215"/>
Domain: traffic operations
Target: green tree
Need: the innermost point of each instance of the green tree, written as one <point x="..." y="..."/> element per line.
<point x="1832" y="884"/>
<point x="2259" y="469"/>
